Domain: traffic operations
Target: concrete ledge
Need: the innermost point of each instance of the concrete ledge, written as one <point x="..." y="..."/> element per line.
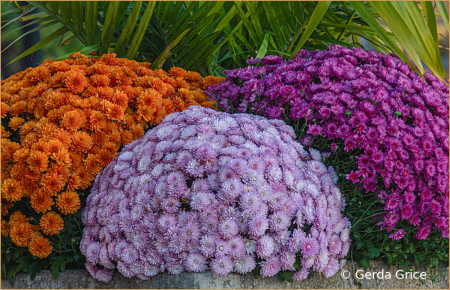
<point x="81" y="279"/>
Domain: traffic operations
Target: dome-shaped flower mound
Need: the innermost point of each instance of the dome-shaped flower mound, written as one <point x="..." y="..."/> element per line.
<point x="368" y="101"/>
<point x="206" y="189"/>
<point x="71" y="117"/>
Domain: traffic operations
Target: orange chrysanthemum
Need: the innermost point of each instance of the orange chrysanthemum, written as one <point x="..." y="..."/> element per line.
<point x="5" y="96"/>
<point x="11" y="190"/>
<point x="40" y="247"/>
<point x="100" y="80"/>
<point x="5" y="227"/>
<point x="114" y="112"/>
<point x="211" y="80"/>
<point x="92" y="164"/>
<point x="41" y="201"/>
<point x="37" y="161"/>
<point x="4" y="133"/>
<point x="97" y="120"/>
<point x="72" y="117"/>
<point x="74" y="182"/>
<point x="81" y="142"/>
<point x="193" y="76"/>
<point x="52" y="183"/>
<point x="121" y="99"/>
<point x="127" y="137"/>
<point x="105" y="93"/>
<point x="17" y="217"/>
<point x="68" y="202"/>
<point x="63" y="136"/>
<point x="18" y="108"/>
<point x="20" y="233"/>
<point x="4" y="109"/>
<point x="21" y="155"/>
<point x="85" y="177"/>
<point x="51" y="223"/>
<point x="178" y="72"/>
<point x="73" y="120"/>
<point x="75" y="81"/>
<point x="106" y="156"/>
<point x="41" y="146"/>
<point x="39" y="74"/>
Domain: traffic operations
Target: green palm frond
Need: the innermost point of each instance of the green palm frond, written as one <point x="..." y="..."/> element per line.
<point x="210" y="36"/>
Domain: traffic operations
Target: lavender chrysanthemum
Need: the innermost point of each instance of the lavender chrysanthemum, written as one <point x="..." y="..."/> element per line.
<point x="219" y="191"/>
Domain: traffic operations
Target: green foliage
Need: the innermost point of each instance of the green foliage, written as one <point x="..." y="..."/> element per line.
<point x="66" y="250"/>
<point x="209" y="37"/>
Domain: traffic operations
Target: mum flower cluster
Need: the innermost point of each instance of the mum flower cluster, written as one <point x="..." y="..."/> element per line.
<point x="206" y="189"/>
<point x="371" y="101"/>
<point x="65" y="120"/>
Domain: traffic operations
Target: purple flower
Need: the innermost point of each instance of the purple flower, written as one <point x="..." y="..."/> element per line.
<point x="309" y="247"/>
<point x="397" y="235"/>
<point x="244" y="264"/>
<point x="221" y="266"/>
<point x="270" y="266"/>
<point x="217" y="191"/>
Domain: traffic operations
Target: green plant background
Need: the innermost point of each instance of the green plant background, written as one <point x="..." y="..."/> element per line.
<point x="210" y="37"/>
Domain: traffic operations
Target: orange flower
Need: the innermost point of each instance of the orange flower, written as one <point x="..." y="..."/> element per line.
<point x="121" y="99"/>
<point x="11" y="190"/>
<point x="92" y="164"/>
<point x="209" y="104"/>
<point x="193" y="76"/>
<point x="42" y="147"/>
<point x="37" y="161"/>
<point x="4" y="133"/>
<point x="41" y="201"/>
<point x="77" y="159"/>
<point x="110" y="146"/>
<point x="127" y="137"/>
<point x="17" y="217"/>
<point x="54" y="146"/>
<point x="20" y="233"/>
<point x="168" y="106"/>
<point x="5" y="227"/>
<point x="114" y="112"/>
<point x="138" y="131"/>
<point x="81" y="142"/>
<point x="18" y="108"/>
<point x="144" y="71"/>
<point x="68" y="202"/>
<point x="211" y="80"/>
<point x="21" y="155"/>
<point x="4" y="109"/>
<point x="62" y="157"/>
<point x="52" y="183"/>
<point x="178" y="72"/>
<point x="105" y="93"/>
<point x="74" y="182"/>
<point x="158" y="85"/>
<point x="146" y="113"/>
<point x="73" y="120"/>
<point x="106" y="156"/>
<point x="58" y="66"/>
<point x="40" y="247"/>
<point x="99" y="137"/>
<point x="39" y="74"/>
<point x="150" y="98"/>
<point x="75" y="81"/>
<point x="85" y="177"/>
<point x="63" y="136"/>
<point x="51" y="223"/>
<point x="100" y="80"/>
<point x="5" y="96"/>
<point x="17" y="170"/>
